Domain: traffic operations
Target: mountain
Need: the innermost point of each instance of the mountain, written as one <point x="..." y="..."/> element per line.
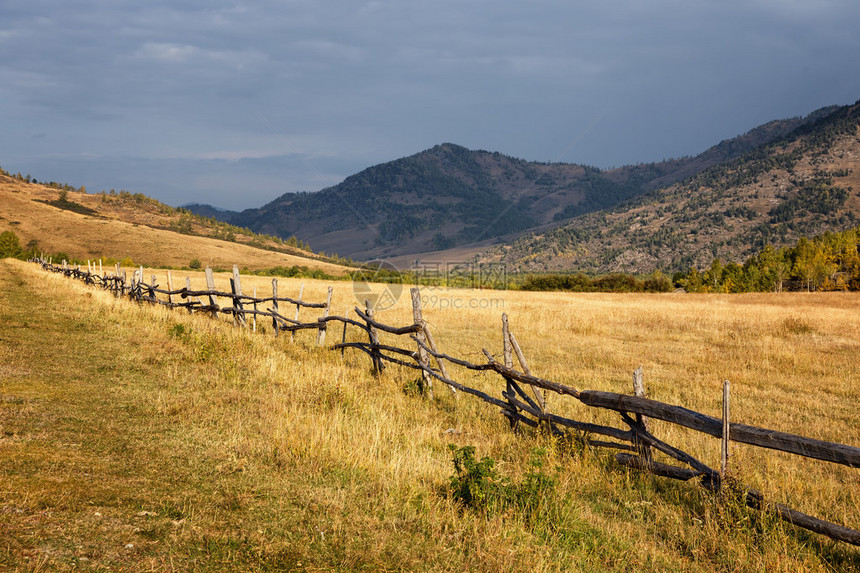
<point x="449" y="196"/>
<point x="803" y="182"/>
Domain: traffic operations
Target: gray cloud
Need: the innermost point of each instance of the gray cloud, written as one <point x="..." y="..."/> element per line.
<point x="218" y="96"/>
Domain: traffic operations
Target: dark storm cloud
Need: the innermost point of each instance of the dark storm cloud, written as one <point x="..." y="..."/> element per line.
<point x="211" y="101"/>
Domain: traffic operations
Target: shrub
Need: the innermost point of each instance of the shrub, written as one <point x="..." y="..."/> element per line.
<point x="477" y="484"/>
<point x="194" y="264"/>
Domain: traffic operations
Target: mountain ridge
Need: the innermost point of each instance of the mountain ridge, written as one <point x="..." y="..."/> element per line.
<point x="449" y="197"/>
<point x="804" y="183"/>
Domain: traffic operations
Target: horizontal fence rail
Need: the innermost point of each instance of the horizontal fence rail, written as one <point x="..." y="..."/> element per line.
<point x="634" y="439"/>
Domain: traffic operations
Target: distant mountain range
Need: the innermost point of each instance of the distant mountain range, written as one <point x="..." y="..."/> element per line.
<point x="559" y="215"/>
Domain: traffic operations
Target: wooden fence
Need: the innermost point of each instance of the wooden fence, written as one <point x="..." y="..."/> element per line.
<point x="634" y="439"/>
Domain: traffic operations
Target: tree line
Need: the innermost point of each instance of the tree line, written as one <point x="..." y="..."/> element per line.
<point x="830" y="261"/>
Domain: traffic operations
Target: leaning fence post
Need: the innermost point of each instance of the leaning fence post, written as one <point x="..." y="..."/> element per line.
<point x="378" y="366"/>
<point x="540" y="397"/>
<point x="724" y="450"/>
<point x="639" y="390"/>
<point x="323" y="324"/>
<point x="509" y="363"/>
<point x="439" y="361"/>
<point x="236" y="287"/>
<point x="422" y="354"/>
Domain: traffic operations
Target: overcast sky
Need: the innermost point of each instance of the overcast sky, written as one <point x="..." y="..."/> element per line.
<point x="235" y="103"/>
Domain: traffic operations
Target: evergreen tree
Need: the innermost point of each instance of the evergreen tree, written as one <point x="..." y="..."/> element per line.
<point x="10" y="246"/>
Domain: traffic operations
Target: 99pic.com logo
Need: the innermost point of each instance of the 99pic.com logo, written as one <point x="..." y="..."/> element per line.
<point x="379" y="283"/>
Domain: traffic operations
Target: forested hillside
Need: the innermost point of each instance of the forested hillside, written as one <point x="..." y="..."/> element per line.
<point x="801" y="185"/>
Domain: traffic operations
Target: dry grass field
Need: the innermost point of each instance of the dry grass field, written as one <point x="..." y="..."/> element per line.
<point x="125" y="229"/>
<point x="143" y="439"/>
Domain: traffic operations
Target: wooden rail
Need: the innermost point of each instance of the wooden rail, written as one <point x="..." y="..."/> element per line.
<point x="515" y="404"/>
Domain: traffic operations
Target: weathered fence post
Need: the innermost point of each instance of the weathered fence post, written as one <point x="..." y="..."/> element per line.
<point x="170" y="289"/>
<point x="422" y="354"/>
<point x="378" y="366"/>
<point x="188" y="287"/>
<point x="539" y="396"/>
<point x="210" y="286"/>
<point x="298" y="308"/>
<point x="135" y="280"/>
<point x="101" y="271"/>
<point x="724" y="449"/>
<point x="254" y="316"/>
<point x="343" y="336"/>
<point x="152" y="290"/>
<point x="642" y="447"/>
<point x="236" y="288"/>
<point x="439" y="361"/>
<point x="275" y="306"/>
<point x="323" y="324"/>
<point x="509" y="363"/>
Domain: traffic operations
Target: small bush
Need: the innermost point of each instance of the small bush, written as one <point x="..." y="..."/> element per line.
<point x="194" y="264"/>
<point x="477" y="484"/>
<point x="180" y="331"/>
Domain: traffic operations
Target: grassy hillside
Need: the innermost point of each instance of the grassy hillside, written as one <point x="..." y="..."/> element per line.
<point x="201" y="446"/>
<point x="803" y="184"/>
<point x="90" y="226"/>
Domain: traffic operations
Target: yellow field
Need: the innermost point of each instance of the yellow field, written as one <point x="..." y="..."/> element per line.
<point x="792" y="359"/>
<point x="254" y="452"/>
<point x="124" y="230"/>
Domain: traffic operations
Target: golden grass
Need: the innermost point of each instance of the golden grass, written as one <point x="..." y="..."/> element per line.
<point x="252" y="452"/>
<point x="125" y="232"/>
